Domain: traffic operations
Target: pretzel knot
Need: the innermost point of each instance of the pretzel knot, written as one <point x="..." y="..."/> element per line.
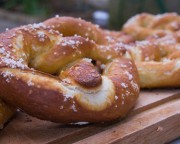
<point x="46" y="70"/>
<point x="157" y="60"/>
<point x="143" y="25"/>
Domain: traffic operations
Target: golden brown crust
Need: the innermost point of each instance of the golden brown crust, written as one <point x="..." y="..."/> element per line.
<point x="83" y="73"/>
<point x="157" y="55"/>
<point x="143" y="25"/>
<point x="157" y="60"/>
<point x="51" y="103"/>
<point x="76" y="92"/>
<point x="86" y="30"/>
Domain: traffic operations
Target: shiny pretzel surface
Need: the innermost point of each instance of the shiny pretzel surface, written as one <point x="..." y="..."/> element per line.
<point x="143" y="25"/>
<point x="46" y="70"/>
<point x="156" y="50"/>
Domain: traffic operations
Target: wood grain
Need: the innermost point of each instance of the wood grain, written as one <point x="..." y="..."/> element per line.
<point x="157" y="125"/>
<point x="154" y="119"/>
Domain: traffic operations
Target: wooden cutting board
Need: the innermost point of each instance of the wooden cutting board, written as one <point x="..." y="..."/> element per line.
<point x="154" y="120"/>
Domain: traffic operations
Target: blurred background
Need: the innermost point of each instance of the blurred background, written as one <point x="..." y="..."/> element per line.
<point x="109" y="14"/>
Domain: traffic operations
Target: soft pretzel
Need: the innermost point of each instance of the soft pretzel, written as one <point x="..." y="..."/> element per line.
<point x="157" y="60"/>
<point x="46" y="70"/>
<point x="143" y="25"/>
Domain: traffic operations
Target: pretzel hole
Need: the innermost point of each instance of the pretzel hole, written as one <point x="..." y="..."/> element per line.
<point x="99" y="66"/>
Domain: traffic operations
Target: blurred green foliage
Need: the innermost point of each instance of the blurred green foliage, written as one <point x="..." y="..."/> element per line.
<point x="121" y="10"/>
<point x="31" y="7"/>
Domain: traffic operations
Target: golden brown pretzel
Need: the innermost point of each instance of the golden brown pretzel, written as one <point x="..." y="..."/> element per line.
<point x="76" y="91"/>
<point x="87" y="30"/>
<point x="157" y="60"/>
<point x="143" y="25"/>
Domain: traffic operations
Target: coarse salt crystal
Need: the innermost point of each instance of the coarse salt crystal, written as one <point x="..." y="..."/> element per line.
<point x="129" y="75"/>
<point x="74" y="108"/>
<point x="124" y="85"/>
<point x="102" y="66"/>
<point x="2" y="50"/>
<point x="12" y="63"/>
<point x="37" y="25"/>
<point x="87" y="60"/>
<point x="30" y="83"/>
<point x="61" y="107"/>
<point x="41" y="35"/>
<point x="7" y="75"/>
